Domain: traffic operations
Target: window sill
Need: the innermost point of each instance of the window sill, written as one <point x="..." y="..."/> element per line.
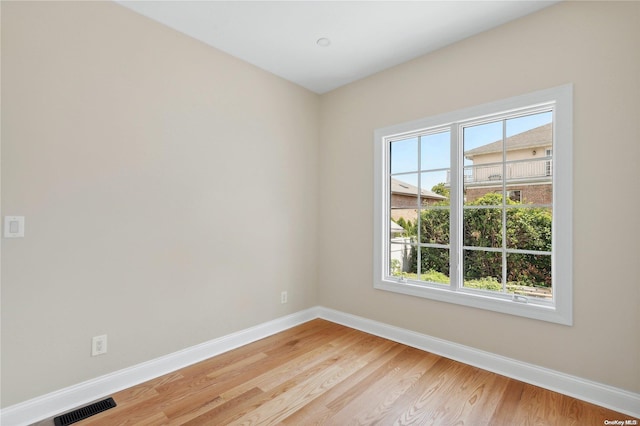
<point x="480" y="300"/>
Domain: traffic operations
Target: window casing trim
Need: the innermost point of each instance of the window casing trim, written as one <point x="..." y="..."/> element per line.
<point x="561" y="309"/>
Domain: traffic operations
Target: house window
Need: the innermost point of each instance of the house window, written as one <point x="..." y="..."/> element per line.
<point x="548" y="164"/>
<point x="471" y="238"/>
<point x="515" y="195"/>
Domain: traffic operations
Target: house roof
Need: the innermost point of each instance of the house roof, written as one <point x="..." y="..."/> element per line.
<point x="536" y="137"/>
<point x="396" y="229"/>
<point x="399" y="187"/>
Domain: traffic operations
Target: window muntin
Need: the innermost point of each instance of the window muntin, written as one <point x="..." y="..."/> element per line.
<point x="467" y="234"/>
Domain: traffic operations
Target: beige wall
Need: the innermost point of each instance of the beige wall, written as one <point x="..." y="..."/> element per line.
<point x="126" y="145"/>
<point x="595" y="46"/>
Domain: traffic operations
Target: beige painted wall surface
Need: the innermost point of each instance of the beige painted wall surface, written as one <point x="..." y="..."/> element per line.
<point x="169" y="190"/>
<point x="593" y="45"/>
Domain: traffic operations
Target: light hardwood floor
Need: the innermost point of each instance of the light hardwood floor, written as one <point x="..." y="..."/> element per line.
<point x="325" y="373"/>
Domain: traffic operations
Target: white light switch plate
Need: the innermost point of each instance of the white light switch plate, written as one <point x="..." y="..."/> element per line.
<point x="14" y="226"/>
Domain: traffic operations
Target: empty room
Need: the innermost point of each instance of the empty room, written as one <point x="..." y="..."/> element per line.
<point x="320" y="212"/>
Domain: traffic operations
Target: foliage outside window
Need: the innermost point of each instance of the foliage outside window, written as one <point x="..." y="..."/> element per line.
<point x="467" y="213"/>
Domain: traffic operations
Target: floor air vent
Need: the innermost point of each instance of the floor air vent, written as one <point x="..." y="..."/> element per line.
<point x="84" y="412"/>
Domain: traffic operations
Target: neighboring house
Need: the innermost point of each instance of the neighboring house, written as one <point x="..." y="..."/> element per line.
<point x="396" y="229"/>
<point x="528" y="170"/>
<point x="399" y="249"/>
<point x="404" y="200"/>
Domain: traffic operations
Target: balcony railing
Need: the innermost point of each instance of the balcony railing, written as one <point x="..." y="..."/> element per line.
<point x="520" y="170"/>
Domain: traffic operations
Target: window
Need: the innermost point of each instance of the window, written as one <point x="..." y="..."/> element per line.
<point x="515" y="195"/>
<point x="451" y="222"/>
<point x="548" y="169"/>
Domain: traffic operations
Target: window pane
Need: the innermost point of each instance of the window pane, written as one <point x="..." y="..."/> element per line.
<point x="404" y="156"/>
<point x="529" y="228"/>
<point x="529" y="275"/>
<point x="483" y="161"/>
<point x="434" y="226"/>
<point x="483" y="143"/>
<point x="483" y="227"/>
<point x="435" y="151"/>
<point x="528" y="171"/>
<point x="489" y="174"/>
<point x="529" y="136"/>
<point x="539" y="193"/>
<point x="434" y="265"/>
<point x="435" y="187"/>
<point x="482" y="270"/>
<point x="489" y="194"/>
<point x="399" y="252"/>
<point x="533" y="178"/>
<point x="403" y="199"/>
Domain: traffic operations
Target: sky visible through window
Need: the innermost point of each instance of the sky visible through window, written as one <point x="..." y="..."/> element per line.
<point x="435" y="150"/>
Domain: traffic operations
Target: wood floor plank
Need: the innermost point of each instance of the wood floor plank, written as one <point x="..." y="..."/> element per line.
<point x="540" y="406"/>
<point x="344" y="362"/>
<point x="291" y="367"/>
<point x="475" y="398"/>
<point x="322" y="373"/>
<point x="319" y="410"/>
<point x="127" y="418"/>
<point x="216" y="384"/>
<point x="472" y="396"/>
<point x="423" y="403"/>
<point x="288" y="388"/>
<point x="509" y="402"/>
<point x="308" y="332"/>
<point x="223" y="384"/>
<point x="213" y="415"/>
<point x="323" y="407"/>
<point x="393" y="379"/>
<point x="284" y="405"/>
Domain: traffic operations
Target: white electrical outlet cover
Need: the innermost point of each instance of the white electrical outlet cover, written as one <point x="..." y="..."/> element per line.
<point x="99" y="345"/>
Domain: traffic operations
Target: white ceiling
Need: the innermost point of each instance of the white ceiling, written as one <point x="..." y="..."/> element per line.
<point x="366" y="36"/>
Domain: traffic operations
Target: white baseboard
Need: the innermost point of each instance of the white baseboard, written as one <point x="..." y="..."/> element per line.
<point x="54" y="403"/>
<point x="57" y="402"/>
<point x="597" y="393"/>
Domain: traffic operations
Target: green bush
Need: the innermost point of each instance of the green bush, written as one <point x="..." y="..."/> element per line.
<point x="527" y="228"/>
<point x="488" y="283"/>
<point x="436" y="277"/>
<point x="431" y="276"/>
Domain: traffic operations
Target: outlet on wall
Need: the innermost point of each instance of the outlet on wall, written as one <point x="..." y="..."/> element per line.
<point x="99" y="345"/>
<point x="283" y="297"/>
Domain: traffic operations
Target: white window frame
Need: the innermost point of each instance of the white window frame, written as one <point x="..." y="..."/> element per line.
<point x="560" y="310"/>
